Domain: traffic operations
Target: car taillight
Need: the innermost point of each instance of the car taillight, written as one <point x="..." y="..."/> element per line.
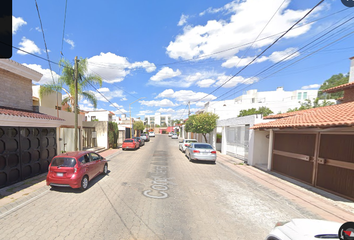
<point x="196" y="151"/>
<point x="186" y="145"/>
<point x="213" y="152"/>
<point x="75" y="170"/>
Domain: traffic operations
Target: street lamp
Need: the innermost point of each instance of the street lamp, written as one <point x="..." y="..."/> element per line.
<point x="130" y="112"/>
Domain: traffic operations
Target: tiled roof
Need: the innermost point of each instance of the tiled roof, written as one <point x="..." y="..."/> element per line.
<point x="322" y="117"/>
<point x="21" y="113"/>
<point x="288" y="114"/>
<point x="339" y="88"/>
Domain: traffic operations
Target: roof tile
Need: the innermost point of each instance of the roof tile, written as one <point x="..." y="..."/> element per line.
<point x="22" y="113"/>
<point x="323" y="117"/>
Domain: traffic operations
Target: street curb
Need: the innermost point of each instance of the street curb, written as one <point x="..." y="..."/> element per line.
<point x="30" y="197"/>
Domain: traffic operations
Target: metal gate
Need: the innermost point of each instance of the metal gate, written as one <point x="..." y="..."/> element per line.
<point x="25" y="152"/>
<point x="324" y="160"/>
<point x="88" y="139"/>
<point x="237" y="139"/>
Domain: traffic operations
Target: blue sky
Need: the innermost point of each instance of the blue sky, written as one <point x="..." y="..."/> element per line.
<point x="172" y="52"/>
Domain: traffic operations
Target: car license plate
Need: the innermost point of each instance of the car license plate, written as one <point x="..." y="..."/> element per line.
<point x="59" y="174"/>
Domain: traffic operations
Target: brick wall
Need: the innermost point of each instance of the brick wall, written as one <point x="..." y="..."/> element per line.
<point x="15" y="91"/>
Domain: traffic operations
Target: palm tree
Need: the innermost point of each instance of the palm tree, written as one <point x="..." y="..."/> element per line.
<point x="67" y="84"/>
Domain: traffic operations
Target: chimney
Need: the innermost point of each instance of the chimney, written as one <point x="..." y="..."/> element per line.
<point x="351" y="72"/>
<point x="280" y="89"/>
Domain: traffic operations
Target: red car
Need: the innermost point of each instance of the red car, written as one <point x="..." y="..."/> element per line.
<point x="130" y="143"/>
<point x="75" y="169"/>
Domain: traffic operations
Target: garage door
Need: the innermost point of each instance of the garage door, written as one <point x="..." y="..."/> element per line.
<point x="25" y="152"/>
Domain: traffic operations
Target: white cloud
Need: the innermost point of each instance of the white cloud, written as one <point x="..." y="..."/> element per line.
<point x="70" y="42"/>
<point x="241" y="62"/>
<point x="218" y="35"/>
<point x="113" y="68"/>
<point x="205" y="83"/>
<point x="149" y="67"/>
<point x="38" y="29"/>
<point x="161" y="103"/>
<point x="124" y="99"/>
<point x="116" y="105"/>
<point x="185" y="95"/>
<point x="165" y="73"/>
<point x="17" y="23"/>
<point x="28" y="46"/>
<point x="166" y="110"/>
<point x="107" y="94"/>
<point x="47" y="76"/>
<point x="312" y="86"/>
<point x="183" y="20"/>
<point x="145" y="112"/>
<point x="277" y="56"/>
<point x="274" y="57"/>
<point x="229" y="7"/>
<point x="234" y="81"/>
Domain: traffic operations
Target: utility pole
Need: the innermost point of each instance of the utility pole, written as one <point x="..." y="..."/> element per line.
<point x="76" y="70"/>
<point x="189" y="108"/>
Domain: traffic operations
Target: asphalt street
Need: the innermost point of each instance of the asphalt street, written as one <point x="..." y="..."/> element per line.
<point x="155" y="193"/>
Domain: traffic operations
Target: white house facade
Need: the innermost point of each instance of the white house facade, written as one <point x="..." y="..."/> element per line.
<point x="158" y="119"/>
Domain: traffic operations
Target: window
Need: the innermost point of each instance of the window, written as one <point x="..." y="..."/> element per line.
<point x="305" y="95"/>
<point x="64" y="162"/>
<point x="56" y="107"/>
<point x="299" y="96"/>
<point x="95" y="156"/>
<point x="93" y="118"/>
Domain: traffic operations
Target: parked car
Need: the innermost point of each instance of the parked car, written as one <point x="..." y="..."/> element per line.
<point x="130" y="143"/>
<point x="185" y="143"/>
<point x="75" y="169"/>
<point x="151" y="134"/>
<point x="140" y="140"/>
<point x="305" y="229"/>
<point x="145" y="137"/>
<point x="200" y="151"/>
<point x="174" y="136"/>
<point x="170" y="134"/>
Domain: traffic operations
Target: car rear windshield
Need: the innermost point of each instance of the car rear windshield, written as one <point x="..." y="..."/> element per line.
<point x="63" y="162"/>
<point x="203" y="146"/>
<point x="189" y="141"/>
<point x="128" y="140"/>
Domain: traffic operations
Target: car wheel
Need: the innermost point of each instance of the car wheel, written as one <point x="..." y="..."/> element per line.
<point x="105" y="169"/>
<point x="189" y="157"/>
<point x="84" y="183"/>
<point x="123" y="149"/>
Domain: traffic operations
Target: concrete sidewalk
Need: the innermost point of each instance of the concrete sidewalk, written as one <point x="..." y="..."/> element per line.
<point x="326" y="205"/>
<point x="21" y="192"/>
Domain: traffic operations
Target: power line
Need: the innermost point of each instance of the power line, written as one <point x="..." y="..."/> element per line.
<point x="105" y="97"/>
<point x="45" y="44"/>
<point x="265" y="49"/>
<point x="62" y="40"/>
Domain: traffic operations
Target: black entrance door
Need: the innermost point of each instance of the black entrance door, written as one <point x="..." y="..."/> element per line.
<point x="25" y="152"/>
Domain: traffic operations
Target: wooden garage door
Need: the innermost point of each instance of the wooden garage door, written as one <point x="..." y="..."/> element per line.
<point x="293" y="155"/>
<point x="336" y="164"/>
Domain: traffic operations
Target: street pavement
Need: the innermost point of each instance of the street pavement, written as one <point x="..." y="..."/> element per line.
<point x="156" y="193"/>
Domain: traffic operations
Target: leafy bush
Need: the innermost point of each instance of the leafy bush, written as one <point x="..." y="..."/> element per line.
<point x="113" y="134"/>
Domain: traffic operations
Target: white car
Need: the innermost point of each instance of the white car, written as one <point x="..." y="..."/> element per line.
<point x="305" y="229"/>
<point x="185" y="143"/>
<point x="151" y="134"/>
<point x="170" y="134"/>
<point x="174" y="136"/>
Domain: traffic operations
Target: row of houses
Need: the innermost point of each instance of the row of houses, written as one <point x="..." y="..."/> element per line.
<point x="33" y="130"/>
<point x="314" y="146"/>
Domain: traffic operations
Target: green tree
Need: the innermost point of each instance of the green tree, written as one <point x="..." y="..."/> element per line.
<point x="261" y="110"/>
<point x="335" y="80"/>
<point x="113" y="134"/>
<point x="139" y="125"/>
<point x="203" y="123"/>
<point x="308" y="104"/>
<point x="67" y="84"/>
